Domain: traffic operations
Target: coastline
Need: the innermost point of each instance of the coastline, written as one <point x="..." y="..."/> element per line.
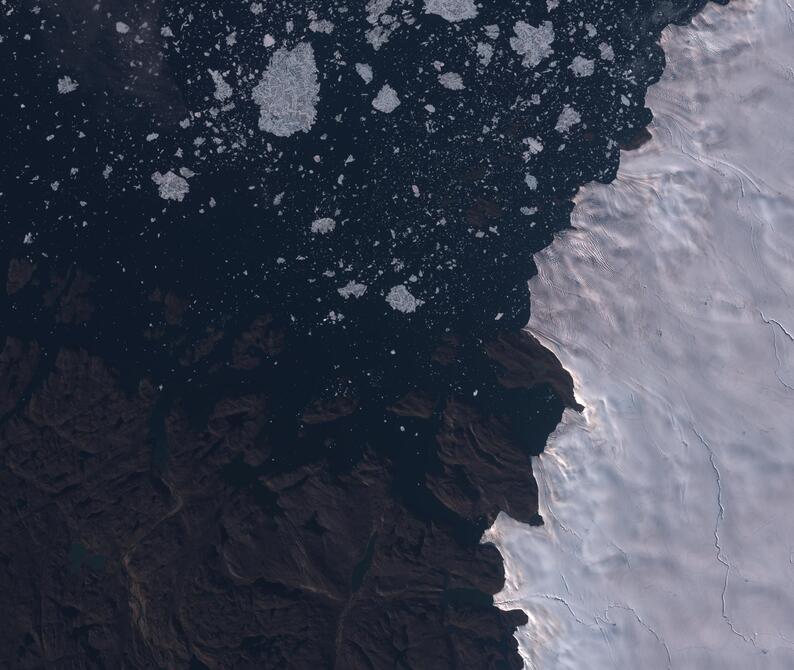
<point x="663" y="543"/>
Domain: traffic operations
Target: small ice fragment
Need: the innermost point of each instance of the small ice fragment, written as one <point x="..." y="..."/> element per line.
<point x="323" y="26"/>
<point x="452" y="81"/>
<point x="452" y="10"/>
<point x="568" y="118"/>
<point x="582" y="67"/>
<point x="222" y="90"/>
<point x="67" y="85"/>
<point x="171" y="186"/>
<point x="352" y="289"/>
<point x="607" y="53"/>
<point x="400" y="299"/>
<point x="323" y="226"/>
<point x="386" y="101"/>
<point x="533" y="43"/>
<point x="122" y="28"/>
<point x="492" y="31"/>
<point x="364" y="71"/>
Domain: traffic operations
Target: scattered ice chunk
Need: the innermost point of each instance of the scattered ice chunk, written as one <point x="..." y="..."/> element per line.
<point x="122" y="28"/>
<point x="257" y="8"/>
<point x="106" y="172"/>
<point x="607" y="53"/>
<point x="268" y="40"/>
<point x="582" y="67"/>
<point x="401" y="299"/>
<point x="171" y="186"/>
<point x="187" y="173"/>
<point x="288" y="92"/>
<point x="166" y="31"/>
<point x="534" y="145"/>
<point x="484" y="53"/>
<point x="552" y="4"/>
<point x="383" y="24"/>
<point x="568" y="118"/>
<point x="151" y="137"/>
<point x="452" y="10"/>
<point x="364" y="71"/>
<point x="222" y="90"/>
<point x="67" y="85"/>
<point x="386" y="101"/>
<point x="531" y="181"/>
<point x="323" y="226"/>
<point x="492" y="31"/>
<point x="323" y="26"/>
<point x="534" y="43"/>
<point x="452" y="81"/>
<point x="352" y="289"/>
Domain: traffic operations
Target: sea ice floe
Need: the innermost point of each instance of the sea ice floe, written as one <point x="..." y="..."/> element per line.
<point x="323" y="226"/>
<point x="67" y="85"/>
<point x="353" y="289"/>
<point x="400" y="299"/>
<point x="171" y="186"/>
<point x="567" y="119"/>
<point x="533" y="43"/>
<point x="386" y="101"/>
<point x="451" y="80"/>
<point x="452" y="10"/>
<point x="222" y="90"/>
<point x="288" y="92"/>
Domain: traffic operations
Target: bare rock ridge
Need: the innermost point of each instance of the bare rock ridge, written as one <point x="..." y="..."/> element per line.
<point x="163" y="538"/>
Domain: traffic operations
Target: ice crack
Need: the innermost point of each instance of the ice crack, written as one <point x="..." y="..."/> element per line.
<point x="720" y="518"/>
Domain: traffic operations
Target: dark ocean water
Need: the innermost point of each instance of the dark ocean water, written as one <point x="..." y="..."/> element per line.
<point x="461" y="241"/>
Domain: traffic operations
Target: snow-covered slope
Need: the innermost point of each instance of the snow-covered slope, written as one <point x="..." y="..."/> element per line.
<point x="669" y="505"/>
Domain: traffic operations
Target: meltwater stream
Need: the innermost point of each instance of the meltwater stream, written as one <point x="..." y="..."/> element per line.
<point x="669" y="539"/>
